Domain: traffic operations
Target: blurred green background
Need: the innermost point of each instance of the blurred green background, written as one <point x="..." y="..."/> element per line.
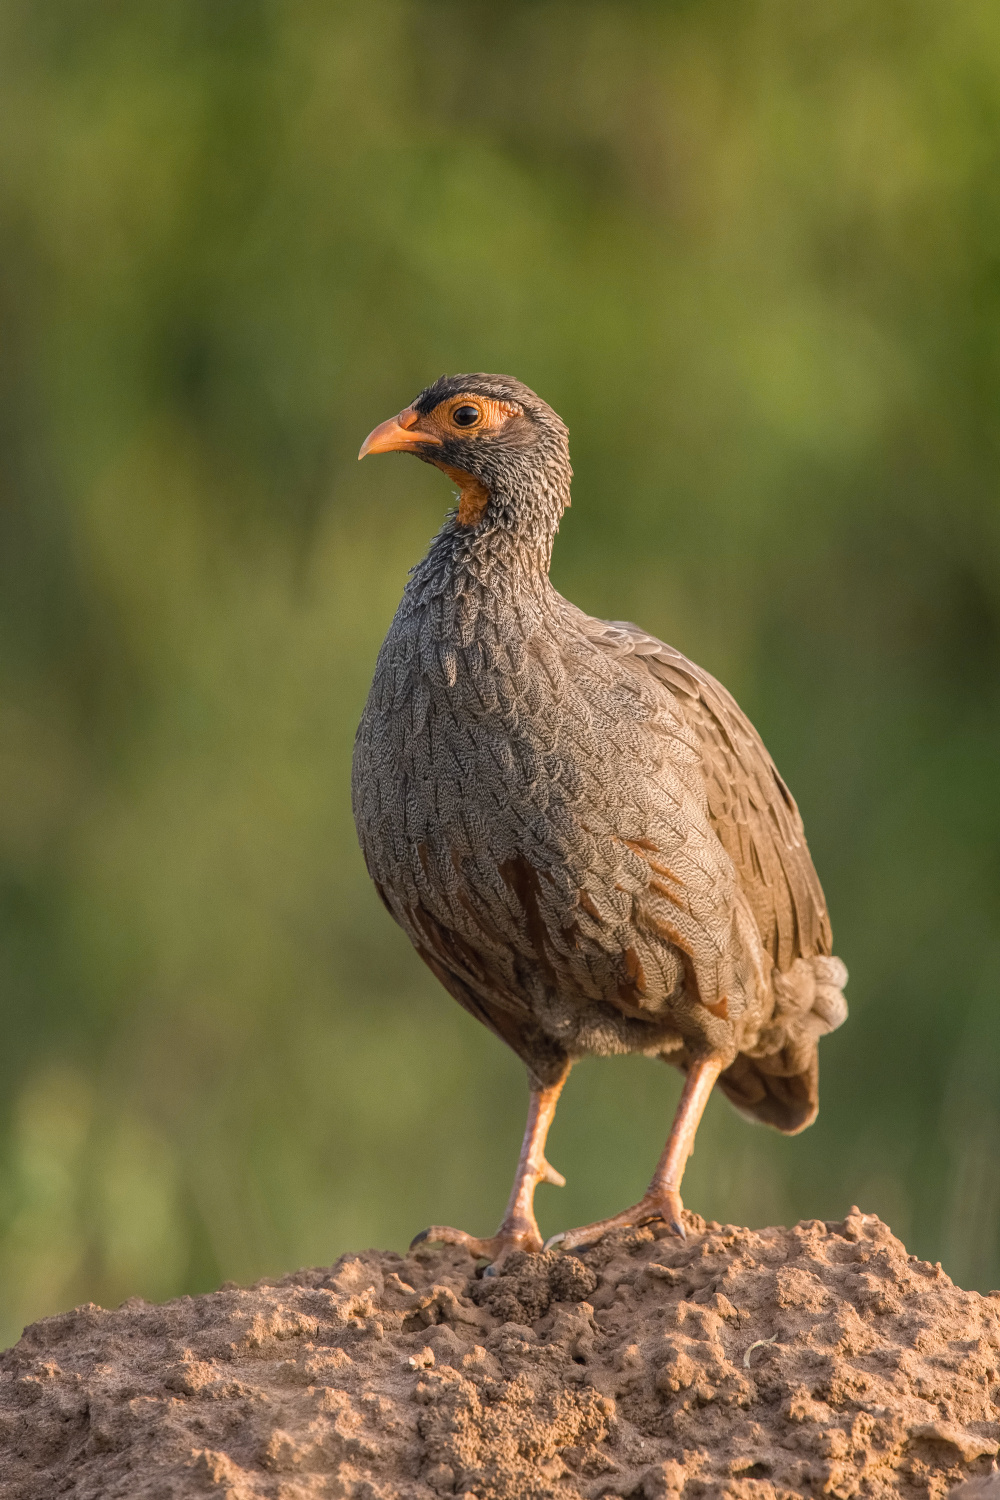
<point x="751" y="252"/>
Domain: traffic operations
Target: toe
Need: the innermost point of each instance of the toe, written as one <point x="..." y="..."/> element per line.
<point x="515" y="1235"/>
<point x="441" y="1234"/>
<point x="666" y="1209"/>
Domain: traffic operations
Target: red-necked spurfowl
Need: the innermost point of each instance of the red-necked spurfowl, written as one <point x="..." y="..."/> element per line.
<point x="579" y="830"/>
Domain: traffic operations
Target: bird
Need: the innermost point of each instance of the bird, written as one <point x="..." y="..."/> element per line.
<point x="579" y="830"/>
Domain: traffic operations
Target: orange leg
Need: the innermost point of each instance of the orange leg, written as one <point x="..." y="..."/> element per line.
<point x="662" y="1199"/>
<point x="518" y="1229"/>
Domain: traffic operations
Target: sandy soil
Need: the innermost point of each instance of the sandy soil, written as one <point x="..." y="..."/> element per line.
<point x="819" y="1360"/>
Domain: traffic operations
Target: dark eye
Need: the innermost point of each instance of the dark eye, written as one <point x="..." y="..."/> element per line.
<point x="465" y="416"/>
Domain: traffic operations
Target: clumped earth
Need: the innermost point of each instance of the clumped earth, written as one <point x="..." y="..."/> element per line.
<point x="819" y="1360"/>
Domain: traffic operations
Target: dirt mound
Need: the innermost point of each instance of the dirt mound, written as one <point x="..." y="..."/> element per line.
<point x="809" y="1361"/>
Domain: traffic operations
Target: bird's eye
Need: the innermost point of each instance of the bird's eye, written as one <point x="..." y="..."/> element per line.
<point x="465" y="416"/>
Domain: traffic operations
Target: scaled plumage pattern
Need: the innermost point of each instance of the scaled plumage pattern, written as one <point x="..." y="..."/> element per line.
<point x="579" y="830"/>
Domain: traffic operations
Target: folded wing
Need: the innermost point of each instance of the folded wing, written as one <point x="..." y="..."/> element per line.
<point x="757" y="821"/>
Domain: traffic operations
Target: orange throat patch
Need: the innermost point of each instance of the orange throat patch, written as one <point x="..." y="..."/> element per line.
<point x="473" y="495"/>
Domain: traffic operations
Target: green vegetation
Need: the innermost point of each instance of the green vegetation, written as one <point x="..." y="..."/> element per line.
<point x="751" y="252"/>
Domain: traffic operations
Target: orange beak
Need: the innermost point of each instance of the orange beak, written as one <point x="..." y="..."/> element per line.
<point x="399" y="434"/>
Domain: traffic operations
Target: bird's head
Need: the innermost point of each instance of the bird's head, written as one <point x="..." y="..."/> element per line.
<point x="507" y="450"/>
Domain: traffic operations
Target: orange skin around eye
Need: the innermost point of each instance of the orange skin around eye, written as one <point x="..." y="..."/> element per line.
<point x="411" y="430"/>
<point x="492" y="416"/>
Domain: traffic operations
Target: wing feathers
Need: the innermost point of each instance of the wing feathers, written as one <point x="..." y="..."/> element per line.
<point x="751" y="809"/>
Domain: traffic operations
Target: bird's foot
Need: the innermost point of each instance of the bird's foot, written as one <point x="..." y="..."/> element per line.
<point x="509" y="1237"/>
<point x="665" y="1205"/>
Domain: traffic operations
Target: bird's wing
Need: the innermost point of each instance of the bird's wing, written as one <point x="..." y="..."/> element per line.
<point x="750" y="807"/>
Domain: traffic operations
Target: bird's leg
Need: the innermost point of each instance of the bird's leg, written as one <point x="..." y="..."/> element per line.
<point x="662" y="1199"/>
<point x="518" y="1228"/>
